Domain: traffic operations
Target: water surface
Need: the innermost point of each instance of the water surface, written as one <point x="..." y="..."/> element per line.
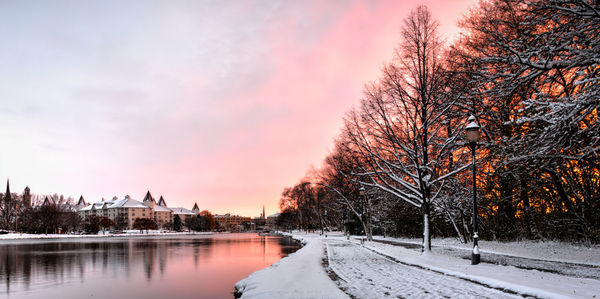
<point x="186" y="266"/>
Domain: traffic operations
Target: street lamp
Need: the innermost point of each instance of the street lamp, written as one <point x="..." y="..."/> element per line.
<point x="473" y="137"/>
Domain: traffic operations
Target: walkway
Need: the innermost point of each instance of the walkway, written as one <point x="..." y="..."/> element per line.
<point x="357" y="266"/>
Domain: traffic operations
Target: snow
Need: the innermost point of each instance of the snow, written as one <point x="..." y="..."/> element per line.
<point x="126" y="202"/>
<point x="299" y="275"/>
<point x="553" y="251"/>
<point x="527" y="282"/>
<point x="182" y="211"/>
<point x="380" y="270"/>
<point x="127" y="233"/>
<point x="367" y="274"/>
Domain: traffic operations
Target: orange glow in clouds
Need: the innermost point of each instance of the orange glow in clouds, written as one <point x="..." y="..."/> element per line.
<point x="222" y="104"/>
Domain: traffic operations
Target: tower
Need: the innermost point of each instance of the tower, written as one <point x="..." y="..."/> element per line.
<point x="27" y="198"/>
<point x="263" y="213"/>
<point x="161" y="202"/>
<point x="148" y="200"/>
<point x="195" y="209"/>
<point x="81" y="201"/>
<point x="7" y="197"/>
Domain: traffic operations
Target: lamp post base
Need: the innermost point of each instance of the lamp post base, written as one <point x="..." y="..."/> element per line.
<point x="475" y="258"/>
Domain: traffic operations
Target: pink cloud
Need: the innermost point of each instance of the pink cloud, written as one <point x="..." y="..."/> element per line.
<point x="223" y="104"/>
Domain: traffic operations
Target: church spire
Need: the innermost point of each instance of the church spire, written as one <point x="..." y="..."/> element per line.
<point x="7" y="194"/>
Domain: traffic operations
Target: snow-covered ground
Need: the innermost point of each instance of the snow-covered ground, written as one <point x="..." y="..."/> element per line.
<point x="524" y="282"/>
<point x="544" y="250"/>
<point x="575" y="261"/>
<point x="378" y="270"/>
<point x="299" y="275"/>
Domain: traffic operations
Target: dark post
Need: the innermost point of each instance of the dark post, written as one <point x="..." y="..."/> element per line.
<point x="472" y="137"/>
<point x="475" y="256"/>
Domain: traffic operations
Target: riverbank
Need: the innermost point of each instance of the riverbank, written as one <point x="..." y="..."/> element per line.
<point x="327" y="265"/>
<point x="126" y="234"/>
<point x="299" y="275"/>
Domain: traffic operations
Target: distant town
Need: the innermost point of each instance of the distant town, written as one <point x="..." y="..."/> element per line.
<point x="54" y="214"/>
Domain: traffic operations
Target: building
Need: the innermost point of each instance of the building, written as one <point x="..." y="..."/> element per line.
<point x="160" y="213"/>
<point x="80" y="204"/>
<point x="260" y="222"/>
<point x="27" y="197"/>
<point x="272" y="220"/>
<point x="184" y="213"/>
<point x="232" y="222"/>
<point x="124" y="211"/>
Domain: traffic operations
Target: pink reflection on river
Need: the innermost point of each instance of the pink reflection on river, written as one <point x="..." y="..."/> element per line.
<point x="188" y="266"/>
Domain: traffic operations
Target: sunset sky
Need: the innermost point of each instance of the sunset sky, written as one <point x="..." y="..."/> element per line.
<point x="223" y="103"/>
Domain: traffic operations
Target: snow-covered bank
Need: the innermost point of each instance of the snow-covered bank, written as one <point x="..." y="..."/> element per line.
<point x="542" y="250"/>
<point x="130" y="233"/>
<point x="299" y="275"/>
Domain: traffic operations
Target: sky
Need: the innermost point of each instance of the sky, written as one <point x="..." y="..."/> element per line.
<point x="223" y="103"/>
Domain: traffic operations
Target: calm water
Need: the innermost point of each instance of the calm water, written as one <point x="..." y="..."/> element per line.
<point x="154" y="267"/>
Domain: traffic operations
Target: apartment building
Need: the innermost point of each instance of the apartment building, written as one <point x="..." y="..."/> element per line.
<point x="127" y="209"/>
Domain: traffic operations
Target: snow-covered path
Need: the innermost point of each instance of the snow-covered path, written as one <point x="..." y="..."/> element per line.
<point x="358" y="267"/>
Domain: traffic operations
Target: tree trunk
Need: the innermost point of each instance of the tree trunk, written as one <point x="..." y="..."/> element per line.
<point x="300" y="218"/>
<point x="458" y="233"/>
<point x="531" y="228"/>
<point x="465" y="227"/>
<point x="321" y="222"/>
<point x="561" y="191"/>
<point x="368" y="223"/>
<point x="426" y="230"/>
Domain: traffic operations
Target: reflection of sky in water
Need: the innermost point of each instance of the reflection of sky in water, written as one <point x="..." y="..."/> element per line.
<point x="182" y="267"/>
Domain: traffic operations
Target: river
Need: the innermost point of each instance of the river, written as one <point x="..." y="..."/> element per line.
<point x="182" y="266"/>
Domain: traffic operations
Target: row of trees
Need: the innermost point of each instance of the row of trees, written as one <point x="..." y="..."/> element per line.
<point x="204" y="221"/>
<point x="528" y="71"/>
<point x="57" y="214"/>
<point x="15" y="215"/>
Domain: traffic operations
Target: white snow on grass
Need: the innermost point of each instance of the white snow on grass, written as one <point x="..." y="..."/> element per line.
<point x="299" y="275"/>
<point x="542" y="250"/>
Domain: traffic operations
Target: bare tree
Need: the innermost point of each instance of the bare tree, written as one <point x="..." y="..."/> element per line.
<point x="400" y="129"/>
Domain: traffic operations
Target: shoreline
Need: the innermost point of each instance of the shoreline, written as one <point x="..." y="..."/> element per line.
<point x="34" y="238"/>
<point x="297" y="275"/>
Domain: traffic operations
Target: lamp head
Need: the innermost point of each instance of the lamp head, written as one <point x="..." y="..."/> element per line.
<point x="472" y="129"/>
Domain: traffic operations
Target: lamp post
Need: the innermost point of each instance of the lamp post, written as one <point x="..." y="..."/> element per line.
<point x="346" y="221"/>
<point x="473" y="137"/>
